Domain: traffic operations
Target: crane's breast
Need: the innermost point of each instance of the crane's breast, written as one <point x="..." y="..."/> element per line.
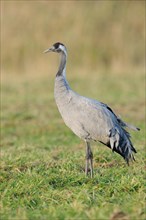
<point x="86" y="120"/>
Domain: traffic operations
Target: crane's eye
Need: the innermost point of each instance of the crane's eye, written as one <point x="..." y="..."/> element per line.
<point x="58" y="50"/>
<point x="56" y="45"/>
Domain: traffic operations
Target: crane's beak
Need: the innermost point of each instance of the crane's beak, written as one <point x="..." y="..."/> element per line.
<point x="49" y="50"/>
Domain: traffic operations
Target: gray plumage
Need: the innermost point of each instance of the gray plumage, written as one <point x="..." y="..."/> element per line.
<point x="89" y="119"/>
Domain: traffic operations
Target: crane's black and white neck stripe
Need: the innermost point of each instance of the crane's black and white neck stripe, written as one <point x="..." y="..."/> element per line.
<point x="59" y="48"/>
<point x="62" y="67"/>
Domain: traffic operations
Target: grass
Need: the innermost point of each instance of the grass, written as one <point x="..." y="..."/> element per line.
<point x="42" y="161"/>
<point x="42" y="166"/>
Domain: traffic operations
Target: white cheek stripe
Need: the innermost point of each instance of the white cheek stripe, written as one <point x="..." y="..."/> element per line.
<point x="62" y="48"/>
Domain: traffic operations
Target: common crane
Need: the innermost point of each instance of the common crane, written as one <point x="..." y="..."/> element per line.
<point x="89" y="119"/>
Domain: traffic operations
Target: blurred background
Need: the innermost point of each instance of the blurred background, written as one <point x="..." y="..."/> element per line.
<point x="101" y="36"/>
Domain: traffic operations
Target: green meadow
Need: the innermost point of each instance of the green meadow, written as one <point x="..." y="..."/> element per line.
<point x="42" y="161"/>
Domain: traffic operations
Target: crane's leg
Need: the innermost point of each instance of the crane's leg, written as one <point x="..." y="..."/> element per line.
<point x="89" y="159"/>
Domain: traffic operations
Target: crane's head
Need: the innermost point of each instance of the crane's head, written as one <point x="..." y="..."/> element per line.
<point x="57" y="47"/>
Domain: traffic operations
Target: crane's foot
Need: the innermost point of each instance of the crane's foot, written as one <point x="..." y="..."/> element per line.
<point x="89" y="171"/>
<point x="91" y="166"/>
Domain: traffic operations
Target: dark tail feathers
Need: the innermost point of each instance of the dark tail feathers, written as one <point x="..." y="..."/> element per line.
<point x="120" y="143"/>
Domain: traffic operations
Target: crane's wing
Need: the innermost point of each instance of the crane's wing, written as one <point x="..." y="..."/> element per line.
<point x="100" y="123"/>
<point x="121" y="122"/>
